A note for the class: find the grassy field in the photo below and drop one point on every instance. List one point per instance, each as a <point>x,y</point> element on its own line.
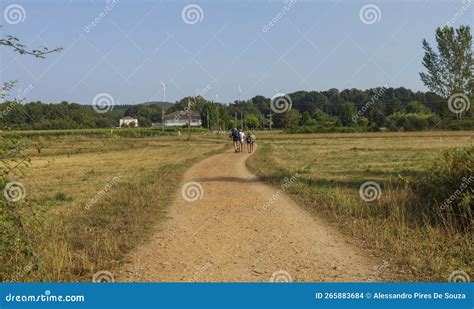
<point>332,167</point>
<point>90,200</point>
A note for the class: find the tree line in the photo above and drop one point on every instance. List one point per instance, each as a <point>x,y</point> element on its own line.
<point>383,107</point>
<point>448,75</point>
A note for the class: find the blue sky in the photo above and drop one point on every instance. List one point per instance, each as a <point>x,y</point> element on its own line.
<point>314,45</point>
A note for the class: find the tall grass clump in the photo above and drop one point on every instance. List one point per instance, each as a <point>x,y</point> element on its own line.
<point>17,258</point>
<point>444,194</point>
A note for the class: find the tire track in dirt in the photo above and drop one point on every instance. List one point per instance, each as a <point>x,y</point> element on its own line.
<point>229,235</point>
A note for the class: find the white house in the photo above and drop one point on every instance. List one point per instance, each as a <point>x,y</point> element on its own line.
<point>128,121</point>
<point>180,119</point>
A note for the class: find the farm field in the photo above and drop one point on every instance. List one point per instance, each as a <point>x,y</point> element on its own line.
<point>91,199</point>
<point>331,169</point>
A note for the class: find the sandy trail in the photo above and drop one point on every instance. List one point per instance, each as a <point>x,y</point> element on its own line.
<point>229,235</point>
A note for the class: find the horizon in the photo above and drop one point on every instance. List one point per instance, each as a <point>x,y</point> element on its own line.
<point>226,103</point>
<point>232,51</point>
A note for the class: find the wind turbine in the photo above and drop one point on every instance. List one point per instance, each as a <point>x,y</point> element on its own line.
<point>162,108</point>
<point>164,90</point>
<point>241,118</point>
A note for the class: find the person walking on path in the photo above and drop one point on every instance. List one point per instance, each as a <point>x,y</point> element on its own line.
<point>242,140</point>
<point>250,140</point>
<point>235,135</point>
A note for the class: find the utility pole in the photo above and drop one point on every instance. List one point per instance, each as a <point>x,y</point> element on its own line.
<point>162,119</point>
<point>236,122</point>
<point>189,119</point>
<point>271,119</point>
<point>241,120</point>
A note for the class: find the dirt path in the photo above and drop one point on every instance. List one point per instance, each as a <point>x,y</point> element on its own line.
<point>229,235</point>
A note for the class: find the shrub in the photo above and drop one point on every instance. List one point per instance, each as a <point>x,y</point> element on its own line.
<point>320,129</point>
<point>463,124</point>
<point>16,256</point>
<point>445,194</point>
<point>412,121</point>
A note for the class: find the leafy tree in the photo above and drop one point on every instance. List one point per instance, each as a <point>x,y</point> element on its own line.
<point>348,110</point>
<point>320,116</point>
<point>305,117</point>
<point>417,107</point>
<point>252,121</point>
<point>362,122</point>
<point>287,119</point>
<point>450,69</point>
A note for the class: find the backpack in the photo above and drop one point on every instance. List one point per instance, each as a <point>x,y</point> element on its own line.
<point>236,134</point>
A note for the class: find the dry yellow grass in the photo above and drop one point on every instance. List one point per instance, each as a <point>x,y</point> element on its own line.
<point>332,167</point>
<point>90,200</point>
<point>94,199</point>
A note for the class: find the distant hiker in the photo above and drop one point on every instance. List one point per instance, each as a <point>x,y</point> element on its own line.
<point>250,139</point>
<point>242,140</point>
<point>235,134</point>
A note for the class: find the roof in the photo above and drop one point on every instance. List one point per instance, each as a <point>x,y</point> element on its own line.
<point>129,118</point>
<point>182,114</point>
